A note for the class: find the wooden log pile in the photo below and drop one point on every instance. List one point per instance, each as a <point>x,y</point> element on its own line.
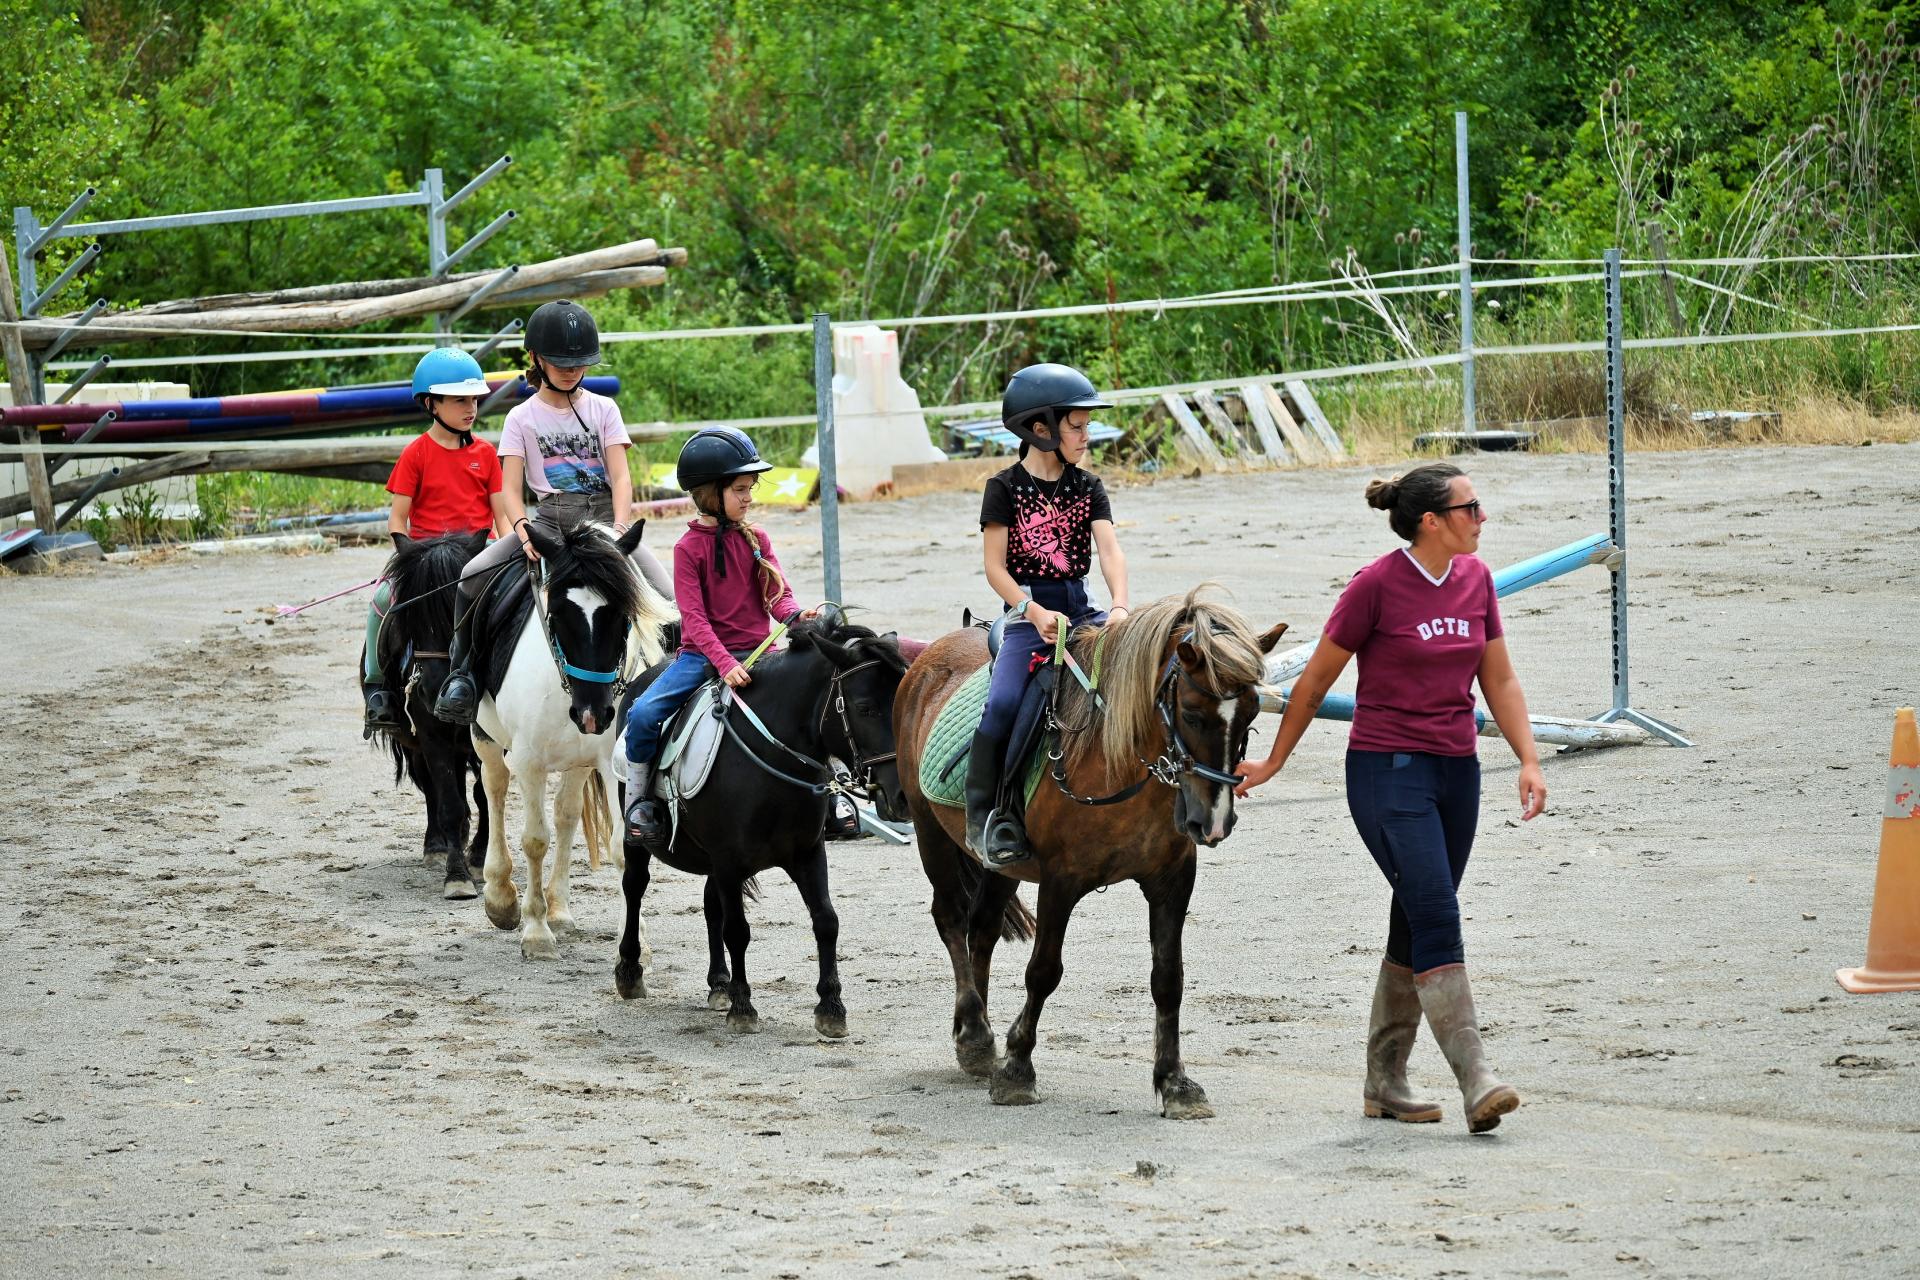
<point>637,264</point>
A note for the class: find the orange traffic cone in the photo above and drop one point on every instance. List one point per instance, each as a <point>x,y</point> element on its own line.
<point>1893,936</point>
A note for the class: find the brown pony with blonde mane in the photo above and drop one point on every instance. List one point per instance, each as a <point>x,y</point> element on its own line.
<point>1136,784</point>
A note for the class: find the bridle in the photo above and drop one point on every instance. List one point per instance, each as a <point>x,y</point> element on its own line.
<point>1174,761</point>
<point>569,672</point>
<point>859,783</point>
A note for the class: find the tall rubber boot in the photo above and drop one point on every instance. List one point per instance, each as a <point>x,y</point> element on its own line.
<point>1390,1035</point>
<point>459,700</point>
<point>983,787</point>
<point>1448,1002</point>
<point>644,826</point>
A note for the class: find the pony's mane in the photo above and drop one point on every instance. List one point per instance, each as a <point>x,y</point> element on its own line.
<point>1132,662</point>
<point>591,560</point>
<point>422,572</point>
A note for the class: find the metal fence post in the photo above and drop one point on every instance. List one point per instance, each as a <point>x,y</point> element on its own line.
<point>1622,708</point>
<point>1468,415</point>
<point>829,468</point>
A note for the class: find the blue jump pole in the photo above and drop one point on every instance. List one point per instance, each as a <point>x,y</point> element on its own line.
<point>1547,566</point>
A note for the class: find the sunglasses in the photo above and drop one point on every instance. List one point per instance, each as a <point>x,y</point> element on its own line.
<point>1473,508</point>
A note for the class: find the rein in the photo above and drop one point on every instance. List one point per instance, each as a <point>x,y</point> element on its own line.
<point>1167,768</point>
<point>861,782</point>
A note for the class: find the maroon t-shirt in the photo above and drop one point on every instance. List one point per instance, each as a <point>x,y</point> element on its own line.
<point>1419,644</point>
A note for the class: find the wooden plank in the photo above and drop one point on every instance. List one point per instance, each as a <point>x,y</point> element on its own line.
<point>20,376</point>
<point>1262,419</point>
<point>1196,437</point>
<point>911,478</point>
<point>1315,418</point>
<point>1222,425</point>
<point>1305,447</point>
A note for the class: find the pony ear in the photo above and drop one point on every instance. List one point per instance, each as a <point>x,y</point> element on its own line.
<point>631,538</point>
<point>1272,637</point>
<point>1188,655</point>
<point>545,541</point>
<point>477,541</point>
<point>839,655</point>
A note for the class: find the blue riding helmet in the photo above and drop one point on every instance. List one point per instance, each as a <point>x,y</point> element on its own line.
<point>448,371</point>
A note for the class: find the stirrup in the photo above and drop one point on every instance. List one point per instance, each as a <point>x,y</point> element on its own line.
<point>381,712</point>
<point>644,827</point>
<point>999,851</point>
<point>451,706</point>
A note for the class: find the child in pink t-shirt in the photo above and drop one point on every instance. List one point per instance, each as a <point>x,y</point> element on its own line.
<point>1424,623</point>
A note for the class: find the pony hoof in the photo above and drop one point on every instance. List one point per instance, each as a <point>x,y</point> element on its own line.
<point>1008,1092</point>
<point>718,1000</point>
<point>745,1024</point>
<point>538,949</point>
<point>977,1057</point>
<point>507,917</point>
<point>630,980</point>
<point>459,889</point>
<point>563,926</point>
<point>1187,1101</point>
<point>831,1026</point>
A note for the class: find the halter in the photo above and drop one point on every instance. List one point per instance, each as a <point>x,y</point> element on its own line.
<point>1166,768</point>
<point>569,672</point>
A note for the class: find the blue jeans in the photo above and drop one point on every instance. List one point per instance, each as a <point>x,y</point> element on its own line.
<point>1014,665</point>
<point>666,695</point>
<point>1417,813</point>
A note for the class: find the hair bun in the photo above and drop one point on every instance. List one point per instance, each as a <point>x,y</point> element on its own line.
<point>1382,494</point>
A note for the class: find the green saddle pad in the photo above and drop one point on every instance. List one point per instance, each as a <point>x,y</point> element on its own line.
<point>943,768</point>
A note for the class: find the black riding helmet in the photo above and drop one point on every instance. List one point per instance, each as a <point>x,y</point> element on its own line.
<point>718,453</point>
<point>563,334</point>
<point>1044,393</point>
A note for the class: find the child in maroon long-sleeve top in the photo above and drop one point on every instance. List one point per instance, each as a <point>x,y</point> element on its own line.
<point>729,588</point>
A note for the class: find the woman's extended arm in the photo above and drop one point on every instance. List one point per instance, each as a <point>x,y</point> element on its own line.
<point>1323,668</point>
<point>1500,685</point>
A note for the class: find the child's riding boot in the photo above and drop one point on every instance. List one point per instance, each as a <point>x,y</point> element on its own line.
<point>643,811</point>
<point>983,785</point>
<point>1448,1002</point>
<point>383,709</point>
<point>459,700</point>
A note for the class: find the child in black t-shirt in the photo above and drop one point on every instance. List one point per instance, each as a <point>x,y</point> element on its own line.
<point>1041,519</point>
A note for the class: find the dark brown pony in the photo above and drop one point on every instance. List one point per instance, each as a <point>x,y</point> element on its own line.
<point>1149,768</point>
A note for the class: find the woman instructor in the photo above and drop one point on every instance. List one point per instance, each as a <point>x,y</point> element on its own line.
<point>1425,623</point>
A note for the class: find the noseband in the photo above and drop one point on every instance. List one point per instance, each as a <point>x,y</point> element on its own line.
<point>569,672</point>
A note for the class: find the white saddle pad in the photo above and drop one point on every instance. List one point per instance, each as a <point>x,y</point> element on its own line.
<point>692,741</point>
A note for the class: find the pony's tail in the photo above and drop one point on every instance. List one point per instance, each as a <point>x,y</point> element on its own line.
<point>596,819</point>
<point>1016,922</point>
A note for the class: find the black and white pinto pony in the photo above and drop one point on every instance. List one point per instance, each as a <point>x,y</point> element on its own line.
<point>827,697</point>
<point>437,757</point>
<point>554,651</point>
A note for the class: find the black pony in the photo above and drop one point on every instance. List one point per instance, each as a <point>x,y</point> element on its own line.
<point>437,756</point>
<point>830,694</point>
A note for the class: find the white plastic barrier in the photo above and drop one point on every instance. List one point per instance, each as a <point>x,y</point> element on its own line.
<point>877,419</point>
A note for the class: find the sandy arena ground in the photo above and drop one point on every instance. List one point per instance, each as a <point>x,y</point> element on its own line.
<point>240,1033</point>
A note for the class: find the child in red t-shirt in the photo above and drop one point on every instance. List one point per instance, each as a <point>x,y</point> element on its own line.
<point>445,481</point>
<point>1425,624</point>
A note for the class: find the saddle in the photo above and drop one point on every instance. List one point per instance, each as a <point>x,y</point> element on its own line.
<point>943,766</point>
<point>689,744</point>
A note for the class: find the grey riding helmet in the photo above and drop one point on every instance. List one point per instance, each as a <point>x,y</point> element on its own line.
<point>1044,392</point>
<point>564,335</point>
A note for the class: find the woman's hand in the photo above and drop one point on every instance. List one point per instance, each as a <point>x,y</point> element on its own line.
<point>1533,792</point>
<point>738,678</point>
<point>1044,620</point>
<point>1254,772</point>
